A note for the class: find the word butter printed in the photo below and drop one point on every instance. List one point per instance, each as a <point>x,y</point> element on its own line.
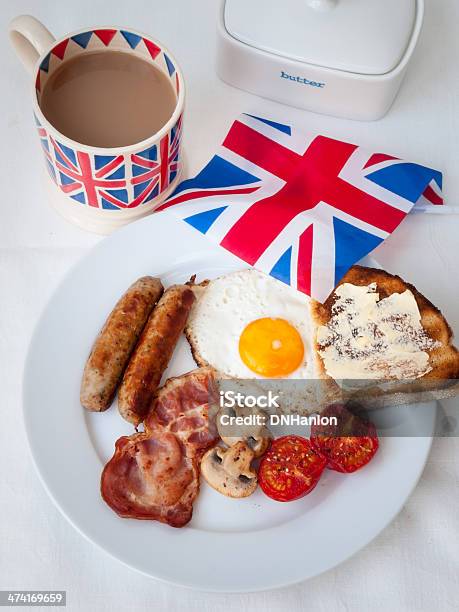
<point>304,81</point>
<point>33,598</point>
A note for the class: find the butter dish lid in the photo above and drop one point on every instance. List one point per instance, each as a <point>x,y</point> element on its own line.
<point>360,36</point>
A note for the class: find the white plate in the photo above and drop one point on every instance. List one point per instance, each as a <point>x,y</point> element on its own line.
<point>230,545</point>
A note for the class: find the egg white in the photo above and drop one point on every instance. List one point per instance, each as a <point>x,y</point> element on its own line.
<point>229,303</point>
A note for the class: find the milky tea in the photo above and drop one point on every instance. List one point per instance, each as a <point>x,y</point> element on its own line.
<point>108,99</point>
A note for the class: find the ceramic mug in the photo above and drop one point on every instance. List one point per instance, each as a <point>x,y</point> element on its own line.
<point>100,189</point>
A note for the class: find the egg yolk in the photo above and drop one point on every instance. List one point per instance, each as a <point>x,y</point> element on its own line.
<point>271,347</point>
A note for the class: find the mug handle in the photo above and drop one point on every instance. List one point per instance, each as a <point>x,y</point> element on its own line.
<point>30,39</point>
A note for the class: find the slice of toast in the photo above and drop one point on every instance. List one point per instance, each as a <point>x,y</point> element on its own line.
<point>443,357</point>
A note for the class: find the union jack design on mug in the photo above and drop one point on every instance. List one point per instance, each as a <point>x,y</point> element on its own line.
<point>123,180</point>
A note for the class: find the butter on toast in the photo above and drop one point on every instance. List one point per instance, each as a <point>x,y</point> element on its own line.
<point>443,357</point>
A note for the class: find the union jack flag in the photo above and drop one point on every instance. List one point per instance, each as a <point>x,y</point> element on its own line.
<point>301,208</point>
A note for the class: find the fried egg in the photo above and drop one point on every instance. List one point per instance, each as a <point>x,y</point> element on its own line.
<point>249,325</point>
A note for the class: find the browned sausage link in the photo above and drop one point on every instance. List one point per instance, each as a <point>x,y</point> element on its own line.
<point>115,343</point>
<point>153,353</point>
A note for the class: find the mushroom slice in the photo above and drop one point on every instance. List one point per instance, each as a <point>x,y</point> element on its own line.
<point>257,437</point>
<point>228,470</point>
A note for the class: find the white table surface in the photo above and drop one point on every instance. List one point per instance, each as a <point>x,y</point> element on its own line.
<point>413,564</point>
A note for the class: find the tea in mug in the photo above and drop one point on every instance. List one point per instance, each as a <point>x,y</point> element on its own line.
<point>108,99</point>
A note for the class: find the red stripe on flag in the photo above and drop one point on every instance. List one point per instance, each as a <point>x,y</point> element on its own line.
<point>260,150</point>
<point>377,158</point>
<point>304,269</point>
<point>143,195</point>
<point>141,178</point>
<point>164,156</point>
<point>194,195</point>
<point>111,166</point>
<point>432,196</point>
<point>360,205</point>
<point>138,200</point>
<point>145,163</point>
<point>112,200</point>
<point>70,187</point>
<point>62,155</point>
<point>86,178</point>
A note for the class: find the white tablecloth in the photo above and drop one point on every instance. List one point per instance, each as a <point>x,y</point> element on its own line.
<point>413,564</point>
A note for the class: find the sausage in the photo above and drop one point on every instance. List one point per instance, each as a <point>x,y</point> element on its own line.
<point>115,343</point>
<point>153,352</point>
